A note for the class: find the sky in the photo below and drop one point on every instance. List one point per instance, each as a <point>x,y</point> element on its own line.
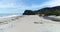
<point>19,6</point>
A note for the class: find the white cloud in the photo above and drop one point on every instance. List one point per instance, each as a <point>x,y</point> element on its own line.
<point>7,4</point>
<point>22,6</point>
<point>50,3</point>
<point>53,3</point>
<point>18,4</point>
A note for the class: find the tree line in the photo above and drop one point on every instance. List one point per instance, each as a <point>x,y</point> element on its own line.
<point>46,11</point>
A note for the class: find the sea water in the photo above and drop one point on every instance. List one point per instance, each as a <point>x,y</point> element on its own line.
<point>1,15</point>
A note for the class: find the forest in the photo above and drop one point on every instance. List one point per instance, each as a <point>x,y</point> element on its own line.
<point>45,11</point>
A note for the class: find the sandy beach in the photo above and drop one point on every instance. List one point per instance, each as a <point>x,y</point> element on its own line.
<point>28,23</point>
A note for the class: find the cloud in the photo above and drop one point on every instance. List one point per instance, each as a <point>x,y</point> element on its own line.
<point>17,4</point>
<point>53,3</point>
<point>50,3</point>
<point>7,4</point>
<point>21,5</point>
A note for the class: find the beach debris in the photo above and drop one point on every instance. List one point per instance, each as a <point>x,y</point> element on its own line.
<point>38,22</point>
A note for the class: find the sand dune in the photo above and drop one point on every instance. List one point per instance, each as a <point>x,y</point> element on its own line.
<point>29,23</point>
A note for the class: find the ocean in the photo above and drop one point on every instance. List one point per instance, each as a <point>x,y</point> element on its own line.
<point>9,14</point>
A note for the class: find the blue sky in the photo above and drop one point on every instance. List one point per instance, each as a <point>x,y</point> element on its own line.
<point>19,6</point>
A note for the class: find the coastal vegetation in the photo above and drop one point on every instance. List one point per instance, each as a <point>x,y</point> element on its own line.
<point>45,11</point>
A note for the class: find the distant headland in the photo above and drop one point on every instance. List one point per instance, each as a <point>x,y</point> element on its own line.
<point>46,11</point>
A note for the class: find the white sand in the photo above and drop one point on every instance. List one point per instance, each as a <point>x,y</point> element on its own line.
<point>29,23</point>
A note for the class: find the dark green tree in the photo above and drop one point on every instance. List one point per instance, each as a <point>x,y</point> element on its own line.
<point>28,12</point>
<point>46,11</point>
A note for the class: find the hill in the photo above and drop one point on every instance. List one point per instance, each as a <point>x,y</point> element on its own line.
<point>46,11</point>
